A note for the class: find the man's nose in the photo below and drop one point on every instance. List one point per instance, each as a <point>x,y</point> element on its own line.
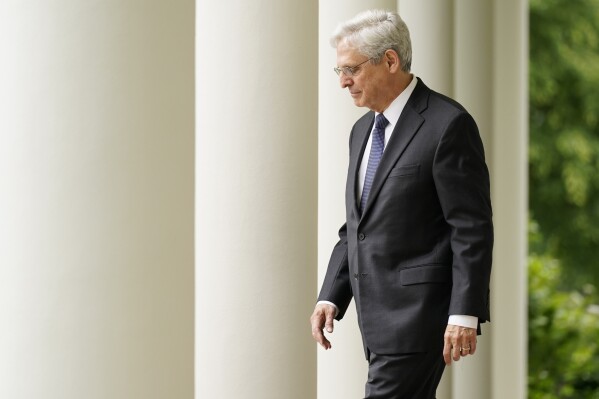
<point>345,80</point>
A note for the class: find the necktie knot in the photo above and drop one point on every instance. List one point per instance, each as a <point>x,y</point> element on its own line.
<point>380,122</point>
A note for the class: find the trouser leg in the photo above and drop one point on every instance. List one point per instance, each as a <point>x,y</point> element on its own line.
<point>404,376</point>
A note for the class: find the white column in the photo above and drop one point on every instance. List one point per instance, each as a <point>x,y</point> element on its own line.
<point>473,89</point>
<point>431,25</point>
<point>510,188</point>
<point>342,371</point>
<point>96,203</point>
<point>256,198</point>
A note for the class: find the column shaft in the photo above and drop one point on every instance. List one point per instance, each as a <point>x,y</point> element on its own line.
<point>431,24</point>
<point>96,176</point>
<point>510,193</point>
<point>256,198</point>
<point>473,89</point>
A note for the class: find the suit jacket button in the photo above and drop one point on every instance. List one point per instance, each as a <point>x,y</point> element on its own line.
<point>361,236</point>
<point>356,276</point>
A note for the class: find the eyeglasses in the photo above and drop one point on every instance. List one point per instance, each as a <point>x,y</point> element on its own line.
<point>349,70</point>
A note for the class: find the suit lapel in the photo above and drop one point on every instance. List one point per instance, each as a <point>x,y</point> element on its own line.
<point>406,128</point>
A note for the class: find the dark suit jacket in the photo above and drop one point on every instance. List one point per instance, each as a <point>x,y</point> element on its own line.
<point>422,247</point>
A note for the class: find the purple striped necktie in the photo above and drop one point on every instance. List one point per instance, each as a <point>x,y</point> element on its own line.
<point>376,153</point>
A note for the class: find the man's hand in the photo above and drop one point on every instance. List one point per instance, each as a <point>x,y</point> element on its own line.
<point>323,316</point>
<point>459,342</point>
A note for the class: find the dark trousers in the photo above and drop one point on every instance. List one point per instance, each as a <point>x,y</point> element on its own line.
<point>405,376</point>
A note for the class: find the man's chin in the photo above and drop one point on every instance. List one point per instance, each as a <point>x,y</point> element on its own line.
<point>358,103</point>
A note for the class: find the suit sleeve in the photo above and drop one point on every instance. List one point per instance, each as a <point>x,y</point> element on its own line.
<point>336,287</point>
<point>462,182</point>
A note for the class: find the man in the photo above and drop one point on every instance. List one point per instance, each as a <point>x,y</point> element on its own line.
<point>415,251</point>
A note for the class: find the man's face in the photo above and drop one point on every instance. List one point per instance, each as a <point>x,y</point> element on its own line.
<point>368,84</point>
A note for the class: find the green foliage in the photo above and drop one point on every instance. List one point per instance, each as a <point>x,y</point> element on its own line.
<point>564,133</point>
<point>564,200</point>
<point>563,334</point>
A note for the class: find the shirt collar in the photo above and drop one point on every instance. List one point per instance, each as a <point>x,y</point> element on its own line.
<point>393,111</point>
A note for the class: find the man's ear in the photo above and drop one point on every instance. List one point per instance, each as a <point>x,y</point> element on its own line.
<point>392,61</point>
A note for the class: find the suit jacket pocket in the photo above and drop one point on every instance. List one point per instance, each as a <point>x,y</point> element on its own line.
<point>405,170</point>
<point>425,274</point>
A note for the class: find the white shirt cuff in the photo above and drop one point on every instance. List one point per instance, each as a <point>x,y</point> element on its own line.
<point>329,303</point>
<point>463,320</point>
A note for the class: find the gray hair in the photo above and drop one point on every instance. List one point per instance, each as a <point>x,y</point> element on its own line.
<point>373,32</point>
